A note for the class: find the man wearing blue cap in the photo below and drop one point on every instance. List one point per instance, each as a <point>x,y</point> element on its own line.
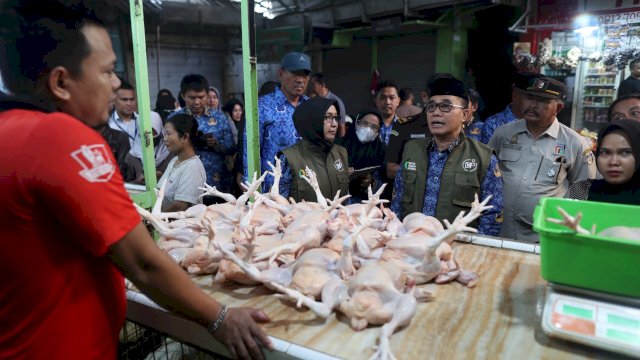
<point>275,110</point>
<point>539,157</point>
<point>440,175</point>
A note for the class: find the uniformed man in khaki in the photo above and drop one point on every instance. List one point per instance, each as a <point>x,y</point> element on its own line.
<point>539,157</point>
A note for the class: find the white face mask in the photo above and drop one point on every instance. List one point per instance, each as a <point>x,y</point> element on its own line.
<point>365,134</point>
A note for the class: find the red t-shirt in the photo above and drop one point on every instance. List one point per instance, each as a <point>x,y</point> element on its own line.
<point>63,204</point>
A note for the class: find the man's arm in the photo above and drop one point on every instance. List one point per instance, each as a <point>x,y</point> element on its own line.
<point>491,220</point>
<point>285,179</point>
<point>153,272</point>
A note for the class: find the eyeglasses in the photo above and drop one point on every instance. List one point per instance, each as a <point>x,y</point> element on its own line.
<point>373,127</point>
<point>331,118</point>
<point>444,107</point>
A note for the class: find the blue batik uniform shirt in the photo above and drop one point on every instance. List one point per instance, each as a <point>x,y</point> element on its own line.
<point>385,131</point>
<point>214,122</point>
<point>494,121</point>
<point>474,130</point>
<point>276,130</point>
<point>491,220</point>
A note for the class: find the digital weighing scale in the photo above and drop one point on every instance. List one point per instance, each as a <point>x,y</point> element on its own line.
<point>592,318</point>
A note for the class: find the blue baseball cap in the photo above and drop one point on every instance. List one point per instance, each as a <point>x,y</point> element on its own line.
<point>296,61</point>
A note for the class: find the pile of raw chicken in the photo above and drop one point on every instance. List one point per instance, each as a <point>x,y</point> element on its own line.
<point>358,259</point>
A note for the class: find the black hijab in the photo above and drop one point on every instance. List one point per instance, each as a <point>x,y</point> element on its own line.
<point>308,118</point>
<point>629,192</point>
<point>362,155</point>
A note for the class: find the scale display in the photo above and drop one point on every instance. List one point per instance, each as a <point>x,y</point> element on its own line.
<point>591,322</point>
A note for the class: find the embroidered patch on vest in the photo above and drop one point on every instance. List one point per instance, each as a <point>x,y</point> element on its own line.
<point>338,165</point>
<point>302,173</point>
<point>95,161</point>
<point>410,165</point>
<point>470,165</point>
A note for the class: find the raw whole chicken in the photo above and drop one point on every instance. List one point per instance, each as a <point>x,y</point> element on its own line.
<point>358,259</point>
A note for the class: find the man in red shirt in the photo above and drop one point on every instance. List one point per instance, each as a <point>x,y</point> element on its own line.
<point>68,228</point>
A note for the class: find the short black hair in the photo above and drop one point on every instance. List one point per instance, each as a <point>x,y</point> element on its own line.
<point>164,91</point>
<point>620,99</point>
<point>126,86</point>
<point>37,36</point>
<point>195,82</point>
<point>186,124</point>
<point>319,78</point>
<point>268,87</point>
<point>405,93</point>
<point>385,84</point>
<point>474,95</point>
<point>633,62</point>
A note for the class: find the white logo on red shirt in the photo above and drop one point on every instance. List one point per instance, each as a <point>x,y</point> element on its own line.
<point>95,161</point>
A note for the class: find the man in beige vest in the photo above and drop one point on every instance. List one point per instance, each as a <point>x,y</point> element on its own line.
<point>440,176</point>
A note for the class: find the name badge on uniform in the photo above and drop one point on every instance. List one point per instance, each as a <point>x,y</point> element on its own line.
<point>418,136</point>
<point>410,165</point>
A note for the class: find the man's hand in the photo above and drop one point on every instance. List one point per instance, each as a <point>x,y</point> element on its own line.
<point>366,180</point>
<point>160,278</point>
<point>211,141</point>
<point>242,336</point>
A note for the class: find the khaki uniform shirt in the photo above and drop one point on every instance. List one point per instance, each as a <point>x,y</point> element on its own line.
<point>534,168</point>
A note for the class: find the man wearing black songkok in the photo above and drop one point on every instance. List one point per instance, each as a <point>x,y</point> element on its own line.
<point>439,176</point>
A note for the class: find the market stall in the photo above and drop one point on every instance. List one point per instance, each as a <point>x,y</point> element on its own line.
<point>500,317</point>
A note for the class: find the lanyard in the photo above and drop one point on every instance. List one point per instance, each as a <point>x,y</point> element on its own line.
<point>115,121</point>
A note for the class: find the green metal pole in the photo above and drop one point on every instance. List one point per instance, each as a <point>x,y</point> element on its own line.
<point>249,63</point>
<point>144,106</point>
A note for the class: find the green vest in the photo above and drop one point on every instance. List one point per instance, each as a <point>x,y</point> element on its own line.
<point>463,174</point>
<point>331,170</point>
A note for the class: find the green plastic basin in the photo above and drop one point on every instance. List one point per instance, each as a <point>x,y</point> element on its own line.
<point>604,264</point>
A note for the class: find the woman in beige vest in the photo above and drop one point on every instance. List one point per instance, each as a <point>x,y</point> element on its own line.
<point>316,121</point>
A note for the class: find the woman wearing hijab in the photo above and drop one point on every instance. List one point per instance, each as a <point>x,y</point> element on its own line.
<point>316,120</point>
<point>618,160</point>
<point>214,103</point>
<point>366,153</point>
<point>161,154</point>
